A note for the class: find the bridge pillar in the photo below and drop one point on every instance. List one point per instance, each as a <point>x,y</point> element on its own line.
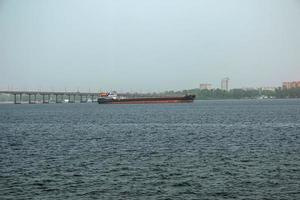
<point>20,98</point>
<point>15,98</point>
<point>69,96</point>
<point>49,98</point>
<point>29,98</point>
<point>80,98</point>
<point>35,98</point>
<point>74,98</point>
<point>92,98</point>
<point>43,98</point>
<point>56,99</point>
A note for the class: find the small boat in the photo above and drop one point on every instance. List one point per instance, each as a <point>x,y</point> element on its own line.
<point>108,98</point>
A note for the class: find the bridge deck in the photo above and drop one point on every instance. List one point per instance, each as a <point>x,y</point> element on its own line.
<point>48,93</point>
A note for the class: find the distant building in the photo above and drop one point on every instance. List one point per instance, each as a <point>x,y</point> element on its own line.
<point>248,88</point>
<point>205,86</point>
<point>225,84</point>
<point>267,89</point>
<point>289,85</point>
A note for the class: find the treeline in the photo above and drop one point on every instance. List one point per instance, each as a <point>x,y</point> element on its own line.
<point>6,97</point>
<point>239,93</point>
<point>290,93</point>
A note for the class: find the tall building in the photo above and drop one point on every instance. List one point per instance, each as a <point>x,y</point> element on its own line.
<point>205,86</point>
<point>225,84</point>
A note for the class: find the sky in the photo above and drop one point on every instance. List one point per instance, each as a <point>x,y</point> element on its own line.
<point>147,46</point>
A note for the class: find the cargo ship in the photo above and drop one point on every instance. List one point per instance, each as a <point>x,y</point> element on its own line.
<point>108,98</point>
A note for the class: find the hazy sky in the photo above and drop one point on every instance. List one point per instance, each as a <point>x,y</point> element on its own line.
<point>139,45</point>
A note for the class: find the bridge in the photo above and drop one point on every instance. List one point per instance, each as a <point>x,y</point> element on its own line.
<point>46,96</point>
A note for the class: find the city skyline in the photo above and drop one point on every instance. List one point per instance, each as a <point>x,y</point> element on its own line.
<point>201,86</point>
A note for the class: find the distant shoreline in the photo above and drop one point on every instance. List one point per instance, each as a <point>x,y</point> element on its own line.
<point>249,99</point>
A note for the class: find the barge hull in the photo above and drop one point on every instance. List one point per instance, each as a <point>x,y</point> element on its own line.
<point>152,102</point>
<point>157,100</point>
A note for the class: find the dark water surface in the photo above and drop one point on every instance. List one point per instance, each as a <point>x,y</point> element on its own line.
<point>205,150</point>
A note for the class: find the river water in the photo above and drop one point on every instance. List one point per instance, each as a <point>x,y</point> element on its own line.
<point>241,149</point>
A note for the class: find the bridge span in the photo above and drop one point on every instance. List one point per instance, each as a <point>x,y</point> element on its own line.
<point>59,97</point>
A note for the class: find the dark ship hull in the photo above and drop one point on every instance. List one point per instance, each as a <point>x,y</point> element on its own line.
<point>149,100</point>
